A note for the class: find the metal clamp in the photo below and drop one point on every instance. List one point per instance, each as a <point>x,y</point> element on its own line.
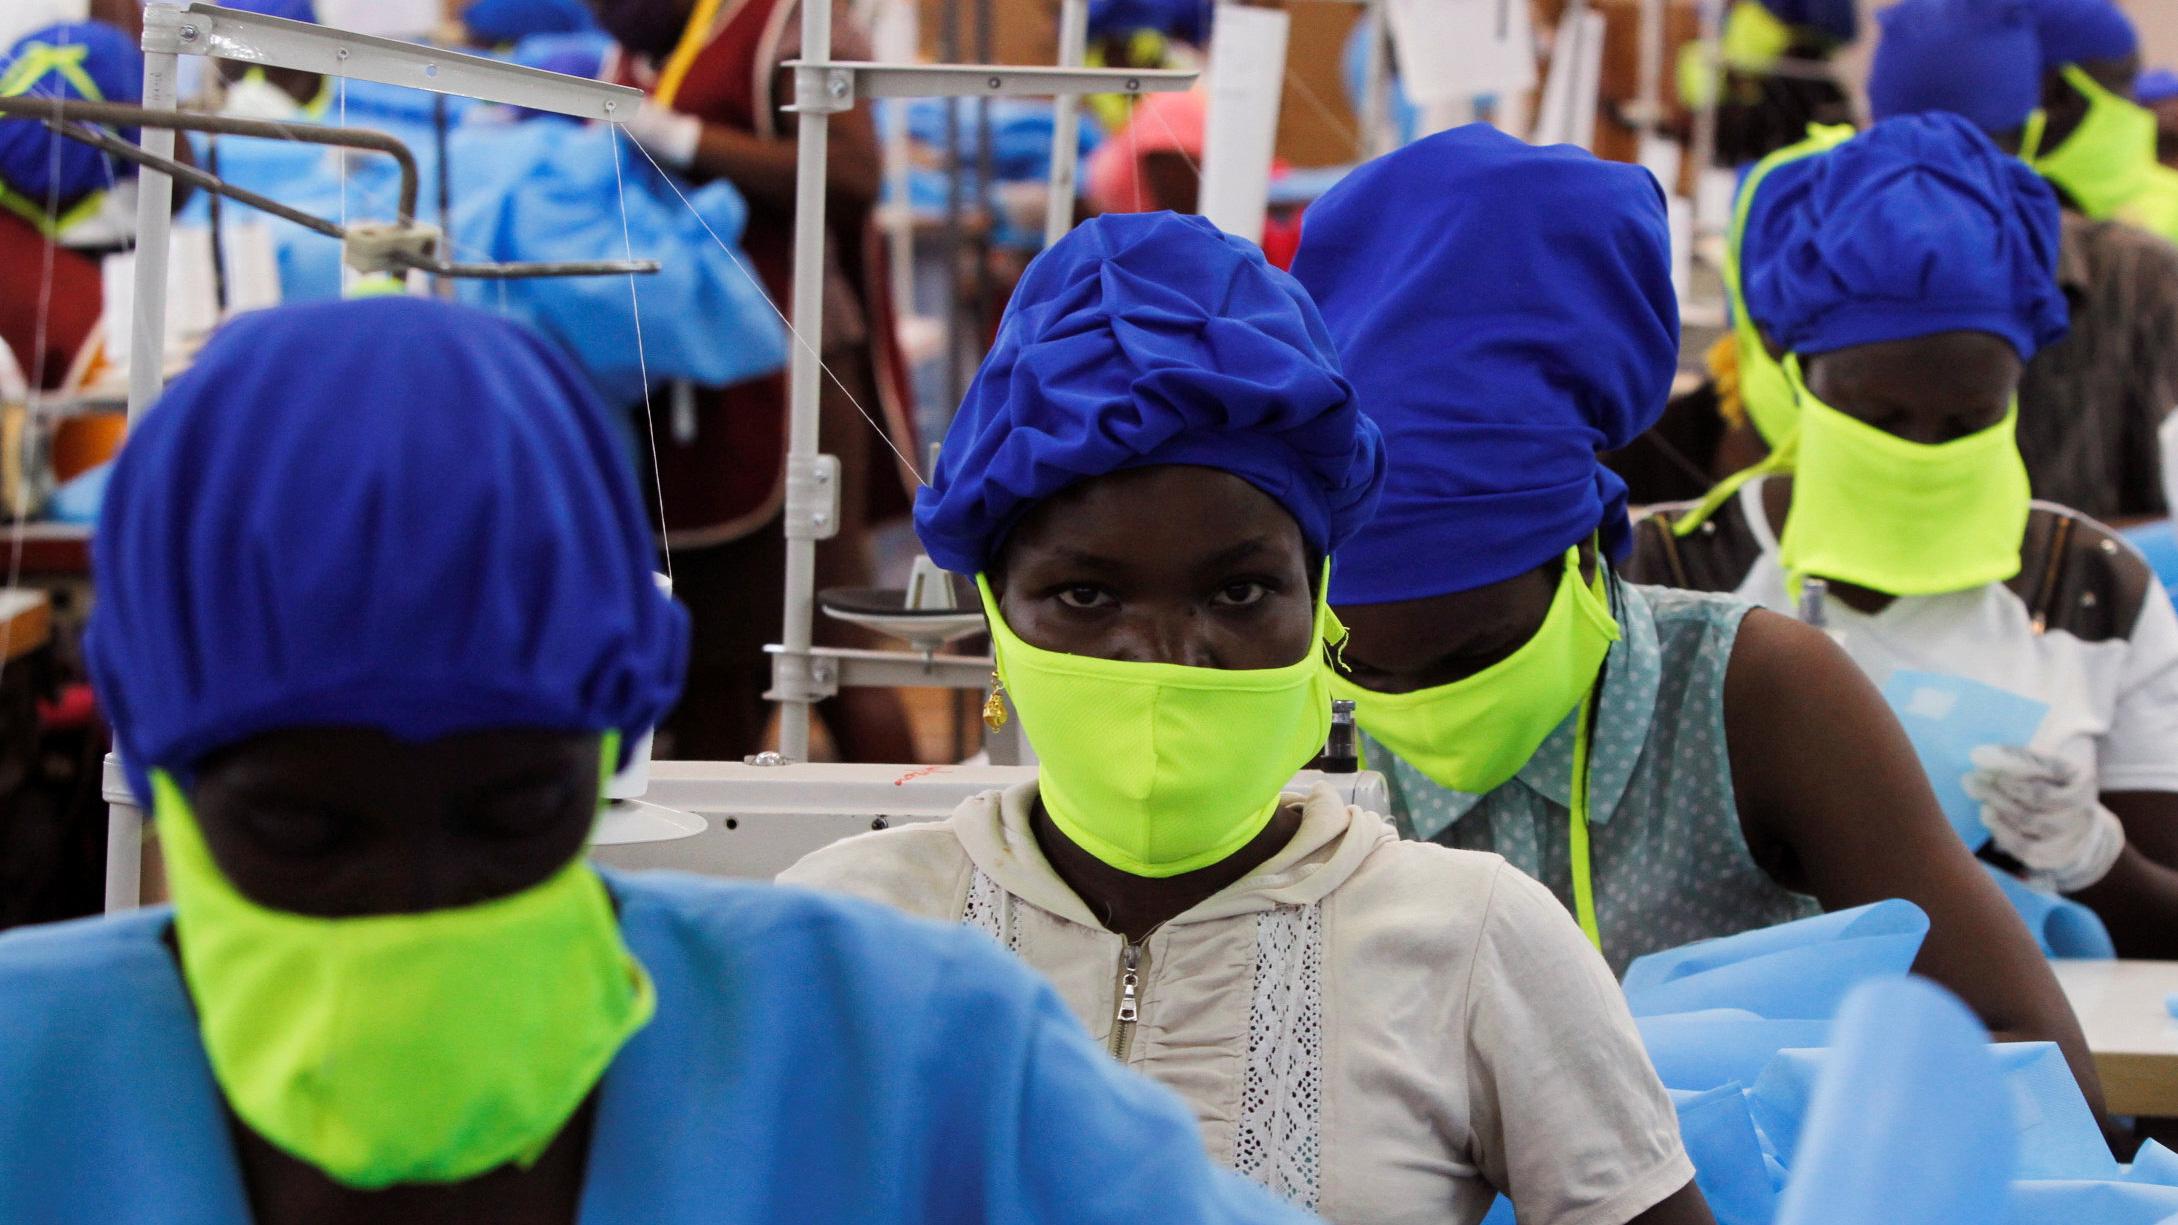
<point>821,89</point>
<point>812,498</point>
<point>375,247</point>
<point>801,677</point>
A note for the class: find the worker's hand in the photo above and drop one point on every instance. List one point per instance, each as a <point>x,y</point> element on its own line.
<point>669,135</point>
<point>2044,812</point>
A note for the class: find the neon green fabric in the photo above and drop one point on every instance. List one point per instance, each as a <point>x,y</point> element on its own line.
<point>1159,769</point>
<point>1583,870</point>
<point>1475,733</point>
<point>1754,38</point>
<point>32,66</point>
<point>2107,160</point>
<point>1763,389</point>
<point>407,1048</point>
<point>1904,518</point>
<point>2155,208</point>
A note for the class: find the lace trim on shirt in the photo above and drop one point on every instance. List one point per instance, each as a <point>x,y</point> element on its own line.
<point>992,911</point>
<point>1279,1141</point>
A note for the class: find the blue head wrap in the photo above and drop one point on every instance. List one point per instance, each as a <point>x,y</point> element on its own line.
<point>29,167</point>
<point>1186,21</point>
<point>1977,58</point>
<point>1917,226</point>
<point>1143,339</point>
<point>1505,313</point>
<point>2077,31</point>
<point>1839,19</point>
<point>511,21</point>
<point>2155,85</point>
<point>392,513</point>
<point>293,10</point>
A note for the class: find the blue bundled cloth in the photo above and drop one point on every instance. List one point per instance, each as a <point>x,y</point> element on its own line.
<point>1794,971</point>
<point>1918,225</point>
<point>394,513</point>
<point>543,192</point>
<point>1907,1123</point>
<point>1979,59</point>
<point>2077,31</point>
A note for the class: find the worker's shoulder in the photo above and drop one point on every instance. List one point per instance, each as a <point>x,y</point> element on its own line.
<point>1716,555</point>
<point>2123,259</point>
<point>918,867</point>
<point>2079,576</point>
<point>1431,893</point>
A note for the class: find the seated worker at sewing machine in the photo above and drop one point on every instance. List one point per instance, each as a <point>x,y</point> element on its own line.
<point>1667,763</point>
<point>1910,274</point>
<point>1151,476</point>
<point>375,615</point>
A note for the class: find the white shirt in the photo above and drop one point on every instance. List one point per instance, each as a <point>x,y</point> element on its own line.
<point>2113,703</point>
<point>1385,1032</point>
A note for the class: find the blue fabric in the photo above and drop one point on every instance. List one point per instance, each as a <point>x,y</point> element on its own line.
<point>2155,85</point>
<point>1947,717</point>
<point>2061,926</point>
<point>1708,1049</point>
<point>43,168</point>
<point>812,1061</point>
<point>1186,21</point>
<point>1144,339</point>
<point>1916,226</point>
<point>1730,1165</point>
<point>2087,1202</point>
<point>1836,19</point>
<point>293,10</point>
<point>2077,31</point>
<point>543,192</point>
<point>78,499</point>
<point>1910,1073</point>
<point>511,21</point>
<point>394,513</point>
<point>2155,1165</point>
<point>1505,312</point>
<point>1795,971</point>
<point>1976,58</point>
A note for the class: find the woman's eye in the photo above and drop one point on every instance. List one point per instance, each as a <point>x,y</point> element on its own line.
<point>1084,597</point>
<point>1242,594</point>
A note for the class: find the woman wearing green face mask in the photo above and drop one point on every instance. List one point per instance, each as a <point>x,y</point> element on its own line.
<point>1910,272</point>
<point>375,605</point>
<point>1148,475</point>
<point>1667,763</point>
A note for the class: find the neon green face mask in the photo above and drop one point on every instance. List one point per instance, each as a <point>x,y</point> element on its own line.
<point>1475,733</point>
<point>409,1048</point>
<point>1903,518</point>
<point>2110,157</point>
<point>1159,769</point>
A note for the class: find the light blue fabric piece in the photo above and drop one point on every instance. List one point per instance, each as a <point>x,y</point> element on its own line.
<point>2090,1203</point>
<point>78,500</point>
<point>1795,971</point>
<point>812,1061</point>
<point>2153,1164</point>
<point>1501,1213</point>
<point>546,192</point>
<point>2063,927</point>
<point>1947,718</point>
<point>1670,861</point>
<point>1907,1122</point>
<point>1730,1165</point>
<point>2056,1132</point>
<point>1406,118</point>
<point>2158,543</point>
<point>1700,1051</point>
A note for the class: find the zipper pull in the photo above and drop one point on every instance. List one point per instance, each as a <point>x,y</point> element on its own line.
<point>1130,982</point>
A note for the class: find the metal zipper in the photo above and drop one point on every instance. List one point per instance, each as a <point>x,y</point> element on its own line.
<point>1130,999</point>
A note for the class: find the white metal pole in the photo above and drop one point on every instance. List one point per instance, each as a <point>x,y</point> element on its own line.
<point>147,362</point>
<point>813,124</point>
<point>1066,123</point>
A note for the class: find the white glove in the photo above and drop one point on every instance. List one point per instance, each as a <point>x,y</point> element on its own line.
<point>670,136</point>
<point>2044,812</point>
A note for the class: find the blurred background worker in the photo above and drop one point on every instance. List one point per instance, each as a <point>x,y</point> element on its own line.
<point>715,110</point>
<point>370,687</point>
<point>1777,75</point>
<point>1909,274</point>
<point>2090,404</point>
<point>253,91</point>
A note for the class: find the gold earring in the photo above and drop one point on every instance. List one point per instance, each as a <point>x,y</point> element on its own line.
<point>994,707</point>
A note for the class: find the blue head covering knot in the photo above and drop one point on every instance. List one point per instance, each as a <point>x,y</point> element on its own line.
<point>2077,31</point>
<point>1917,226</point>
<point>1977,58</point>
<point>1145,339</point>
<point>41,169</point>
<point>393,513</point>
<point>1505,313</point>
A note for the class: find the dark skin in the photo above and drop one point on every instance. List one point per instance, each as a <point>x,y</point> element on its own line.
<point>1937,389</point>
<point>1795,706</point>
<point>303,87</point>
<point>341,822</point>
<point>1120,567</point>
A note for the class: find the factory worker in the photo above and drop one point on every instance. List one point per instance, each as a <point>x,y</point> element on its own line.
<point>1152,473</point>
<point>375,615</point>
<point>1667,763</point>
<point>1909,274</point>
<point>1775,72</point>
<point>253,91</point>
<point>61,201</point>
